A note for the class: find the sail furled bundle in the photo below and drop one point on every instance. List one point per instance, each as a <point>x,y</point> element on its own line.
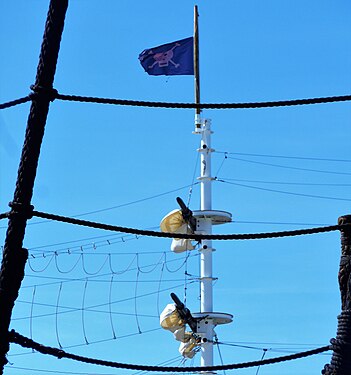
<point>171,320</point>
<point>174,222</point>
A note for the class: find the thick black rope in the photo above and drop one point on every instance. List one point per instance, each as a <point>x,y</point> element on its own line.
<point>59,353</point>
<point>139,103</point>
<point>14,256</point>
<point>12,103</point>
<point>196,237</point>
<point>4,215</point>
<point>340,363</point>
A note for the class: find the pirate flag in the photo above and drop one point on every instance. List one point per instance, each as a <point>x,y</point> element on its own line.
<point>169,59</point>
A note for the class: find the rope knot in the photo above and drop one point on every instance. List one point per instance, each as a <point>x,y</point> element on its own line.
<point>60,354</point>
<point>18,208</point>
<point>43,92</point>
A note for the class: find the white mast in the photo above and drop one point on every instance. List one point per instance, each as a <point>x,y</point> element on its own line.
<point>205,218</point>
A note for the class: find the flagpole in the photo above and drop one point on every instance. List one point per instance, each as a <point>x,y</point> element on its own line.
<point>206,217</point>
<point>204,224</point>
<point>196,67</point>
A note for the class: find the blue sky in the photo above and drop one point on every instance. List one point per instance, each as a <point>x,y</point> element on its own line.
<point>287,168</point>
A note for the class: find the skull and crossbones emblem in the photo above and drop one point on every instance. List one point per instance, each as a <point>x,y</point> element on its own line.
<point>163,59</point>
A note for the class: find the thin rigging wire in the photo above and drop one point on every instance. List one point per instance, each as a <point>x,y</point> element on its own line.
<point>43,269</point>
<point>94,276</point>
<point>83,309</point>
<point>263,355</point>
<point>221,165</point>
<point>66,280</point>
<point>288,167</point>
<point>274,223</point>
<point>298,347</point>
<point>193,183</point>
<point>154,266</point>
<point>136,201</point>
<point>71,269</point>
<point>110,307</point>
<point>31,314</point>
<point>92,307</point>
<point>219,352</point>
<point>284,182</point>
<point>135,301</point>
<point>56,315</point>
<point>167,362</point>
<point>96,272</point>
<point>80,240</point>
<point>118,338</point>
<point>159,288</point>
<point>185,279</point>
<point>118,206</point>
<point>89,245</point>
<point>285,192</point>
<point>91,310</point>
<point>285,156</point>
<point>107,260</point>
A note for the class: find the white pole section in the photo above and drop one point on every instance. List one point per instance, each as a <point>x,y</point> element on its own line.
<point>205,227</point>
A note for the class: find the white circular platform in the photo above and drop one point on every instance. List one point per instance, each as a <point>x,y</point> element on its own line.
<point>217,217</point>
<point>216,317</point>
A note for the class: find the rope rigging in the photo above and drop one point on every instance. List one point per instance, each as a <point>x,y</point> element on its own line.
<point>53,94</point>
<point>59,353</point>
<point>195,237</point>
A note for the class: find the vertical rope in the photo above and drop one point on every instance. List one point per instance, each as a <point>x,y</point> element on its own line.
<point>31,313</point>
<point>341,360</point>
<point>14,257</point>
<point>159,285</point>
<point>110,306</point>
<point>186,276</point>
<point>56,315</point>
<point>135,300</point>
<point>83,309</point>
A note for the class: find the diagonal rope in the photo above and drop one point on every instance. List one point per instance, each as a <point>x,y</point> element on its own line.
<point>12,103</point>
<point>221,165</point>
<point>220,353</point>
<point>263,355</point>
<point>193,183</point>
